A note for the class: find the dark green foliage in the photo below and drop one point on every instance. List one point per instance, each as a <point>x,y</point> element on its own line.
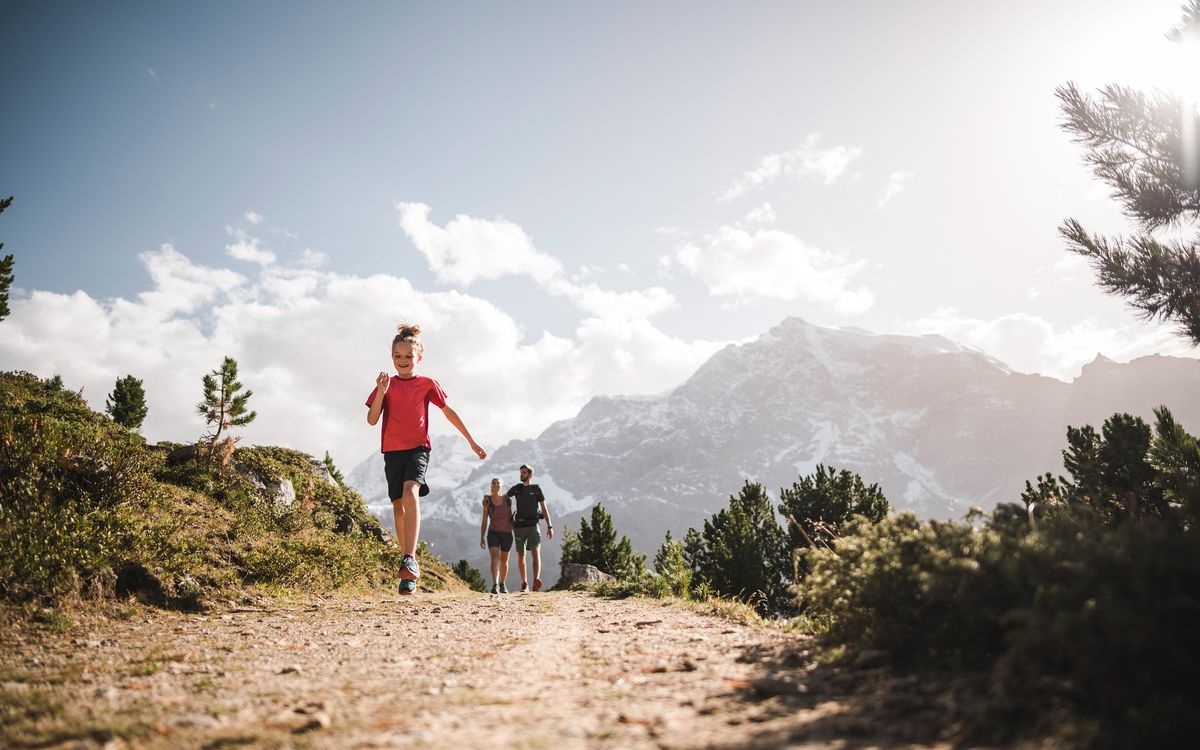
<point>469,575</point>
<point>1095,601</point>
<point>6,280</point>
<point>1144,147</point>
<point>1108,612</point>
<point>6,268</point>
<point>818,506</point>
<point>1125,472</point>
<point>596,544</point>
<point>127,403</point>
<point>742,552</point>
<point>671,565</point>
<point>333,470</point>
<point>1117,472</point>
<point>223,406</point>
<point>1176,457</point>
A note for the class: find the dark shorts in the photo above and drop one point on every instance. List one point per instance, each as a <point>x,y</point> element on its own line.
<point>501,539</point>
<point>405,466</point>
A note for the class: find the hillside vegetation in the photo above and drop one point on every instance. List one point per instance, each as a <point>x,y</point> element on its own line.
<point>89,510</point>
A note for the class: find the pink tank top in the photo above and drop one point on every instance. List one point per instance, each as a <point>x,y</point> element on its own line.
<point>499,516</point>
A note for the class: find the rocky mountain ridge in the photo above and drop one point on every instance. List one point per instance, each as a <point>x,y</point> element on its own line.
<point>938,426</point>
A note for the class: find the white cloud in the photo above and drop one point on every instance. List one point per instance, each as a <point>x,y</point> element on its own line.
<point>181,286</point>
<point>1028,343</point>
<point>763,214</point>
<point>810,159</point>
<point>774,265</point>
<point>309,343</point>
<point>896,185</point>
<point>467,250</point>
<point>313,259</point>
<point>253,217</point>
<point>247,249</point>
<point>604,303</point>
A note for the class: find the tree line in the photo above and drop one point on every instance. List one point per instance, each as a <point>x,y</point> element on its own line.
<point>744,551</point>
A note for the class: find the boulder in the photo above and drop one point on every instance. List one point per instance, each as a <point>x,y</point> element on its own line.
<point>573,573</point>
<point>281,492</point>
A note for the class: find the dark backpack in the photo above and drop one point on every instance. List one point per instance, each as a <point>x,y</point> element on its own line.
<point>528,511</point>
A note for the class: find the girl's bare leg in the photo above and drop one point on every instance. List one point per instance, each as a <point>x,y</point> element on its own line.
<point>410,514</point>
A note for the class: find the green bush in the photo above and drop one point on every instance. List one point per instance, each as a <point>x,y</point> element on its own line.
<point>470,575</point>
<point>1107,613</point>
<point>70,480</point>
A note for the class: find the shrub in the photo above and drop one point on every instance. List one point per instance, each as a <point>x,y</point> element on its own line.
<point>1107,612</point>
<point>470,575</point>
<point>70,478</point>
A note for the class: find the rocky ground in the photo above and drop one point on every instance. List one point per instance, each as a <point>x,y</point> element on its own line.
<point>548,670</point>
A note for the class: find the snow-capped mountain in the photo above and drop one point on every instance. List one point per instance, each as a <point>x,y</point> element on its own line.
<point>938,426</point>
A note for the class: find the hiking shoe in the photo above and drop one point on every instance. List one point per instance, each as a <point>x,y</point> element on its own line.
<point>537,584</point>
<point>408,587</point>
<point>524,587</point>
<point>495,589</point>
<point>409,570</point>
<point>503,589</point>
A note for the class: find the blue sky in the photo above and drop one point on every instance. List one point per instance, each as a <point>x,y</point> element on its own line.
<point>577,198</point>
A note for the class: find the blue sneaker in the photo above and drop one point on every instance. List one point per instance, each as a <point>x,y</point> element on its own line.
<point>408,587</point>
<point>409,570</point>
<point>503,589</point>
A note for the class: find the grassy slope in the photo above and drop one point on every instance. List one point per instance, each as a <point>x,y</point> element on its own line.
<point>88,510</point>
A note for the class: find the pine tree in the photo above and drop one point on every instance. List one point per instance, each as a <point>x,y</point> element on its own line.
<point>470,575</point>
<point>671,565</point>
<point>6,269</point>
<point>1175,456</point>
<point>1110,472</point>
<point>127,403</point>
<point>743,551</point>
<point>1125,468</point>
<point>1147,149</point>
<point>223,406</point>
<point>334,473</point>
<point>819,505</point>
<point>1081,459</point>
<point>596,544</point>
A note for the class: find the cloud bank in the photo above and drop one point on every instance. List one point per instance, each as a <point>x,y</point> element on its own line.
<point>309,342</point>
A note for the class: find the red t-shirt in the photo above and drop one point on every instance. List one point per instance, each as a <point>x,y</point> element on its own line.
<point>406,412</point>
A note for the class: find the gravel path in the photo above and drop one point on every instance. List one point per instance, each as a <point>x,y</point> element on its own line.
<point>550,670</point>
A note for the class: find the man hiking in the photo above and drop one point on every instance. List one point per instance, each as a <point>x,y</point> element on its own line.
<point>530,508</point>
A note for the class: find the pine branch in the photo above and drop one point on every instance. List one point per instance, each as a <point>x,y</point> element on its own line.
<point>1161,280</point>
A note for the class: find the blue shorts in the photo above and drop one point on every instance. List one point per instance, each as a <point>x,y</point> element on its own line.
<point>405,466</point>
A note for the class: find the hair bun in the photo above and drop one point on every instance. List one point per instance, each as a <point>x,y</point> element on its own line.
<point>408,329</point>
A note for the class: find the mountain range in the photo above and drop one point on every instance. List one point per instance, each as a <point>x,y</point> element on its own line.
<point>940,427</point>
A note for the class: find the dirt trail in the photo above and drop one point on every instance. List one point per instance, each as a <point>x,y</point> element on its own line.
<point>466,670</point>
